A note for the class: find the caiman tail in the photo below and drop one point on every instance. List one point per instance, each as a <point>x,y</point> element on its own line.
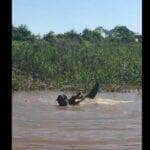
<point>92,92</point>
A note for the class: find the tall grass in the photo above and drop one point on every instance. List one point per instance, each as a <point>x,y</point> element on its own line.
<point>40,65</point>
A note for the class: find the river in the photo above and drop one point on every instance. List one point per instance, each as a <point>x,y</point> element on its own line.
<point>111,121</point>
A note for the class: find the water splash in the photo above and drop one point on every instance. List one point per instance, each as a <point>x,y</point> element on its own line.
<point>104,101</point>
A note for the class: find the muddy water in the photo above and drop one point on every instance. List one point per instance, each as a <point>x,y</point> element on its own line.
<point>112,121</point>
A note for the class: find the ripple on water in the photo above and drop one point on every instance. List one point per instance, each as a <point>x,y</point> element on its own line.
<point>110,121</point>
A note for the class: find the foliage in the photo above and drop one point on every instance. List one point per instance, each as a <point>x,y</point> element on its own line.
<point>122,33</point>
<point>21,33</point>
<point>74,61</point>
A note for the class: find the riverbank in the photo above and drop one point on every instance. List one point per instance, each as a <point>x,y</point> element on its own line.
<point>76,89</point>
<point>20,83</point>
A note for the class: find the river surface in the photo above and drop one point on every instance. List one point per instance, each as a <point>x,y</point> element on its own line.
<point>111,121</point>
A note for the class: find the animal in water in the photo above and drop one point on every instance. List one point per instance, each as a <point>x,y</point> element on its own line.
<point>73,100</point>
<point>93,91</point>
<point>63,100</point>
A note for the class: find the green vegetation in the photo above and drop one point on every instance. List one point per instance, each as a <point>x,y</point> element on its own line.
<point>73,60</point>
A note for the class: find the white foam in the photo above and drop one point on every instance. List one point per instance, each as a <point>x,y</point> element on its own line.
<point>104,101</point>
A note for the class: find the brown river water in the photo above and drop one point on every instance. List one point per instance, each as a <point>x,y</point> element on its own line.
<point>111,121</point>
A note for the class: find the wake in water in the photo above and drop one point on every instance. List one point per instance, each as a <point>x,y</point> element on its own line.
<point>103,101</point>
<point>87,101</point>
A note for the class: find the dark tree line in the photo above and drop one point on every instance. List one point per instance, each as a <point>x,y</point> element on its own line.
<point>118,34</point>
